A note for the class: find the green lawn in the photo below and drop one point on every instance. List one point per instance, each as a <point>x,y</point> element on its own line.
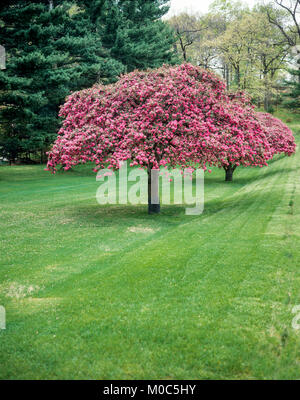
<point>108,292</point>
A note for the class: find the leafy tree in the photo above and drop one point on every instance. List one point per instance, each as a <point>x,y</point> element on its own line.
<point>233,44</point>
<point>256,52</point>
<point>52,50</point>
<point>284,15</point>
<point>188,30</point>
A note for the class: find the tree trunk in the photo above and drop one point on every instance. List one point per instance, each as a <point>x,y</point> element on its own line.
<point>229,170</point>
<point>266,91</point>
<point>266,102</point>
<point>183,47</point>
<point>153,191</point>
<point>238,76</point>
<point>227,77</point>
<point>298,61</point>
<point>266,95</point>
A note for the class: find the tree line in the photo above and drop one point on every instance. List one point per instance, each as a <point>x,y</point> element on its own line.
<point>253,49</point>
<point>56,47</point>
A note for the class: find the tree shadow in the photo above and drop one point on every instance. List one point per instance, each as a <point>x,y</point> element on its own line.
<point>242,202</point>
<point>244,180</point>
<point>172,215</point>
<point>118,215</point>
<point>276,158</point>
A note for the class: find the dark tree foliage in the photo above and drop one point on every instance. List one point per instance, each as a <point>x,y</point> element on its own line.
<point>52,49</point>
<point>132,29</point>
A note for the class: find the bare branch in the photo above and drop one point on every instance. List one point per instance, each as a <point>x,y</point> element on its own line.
<point>275,22</point>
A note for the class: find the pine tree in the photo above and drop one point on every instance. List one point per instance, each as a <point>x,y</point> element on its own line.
<point>136,35</point>
<point>53,48</point>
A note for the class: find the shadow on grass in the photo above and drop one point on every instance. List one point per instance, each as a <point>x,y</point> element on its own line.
<point>245,199</point>
<point>79,170</point>
<point>124,215</point>
<point>171,215</point>
<point>239,180</point>
<point>276,158</point>
<point>267,174</point>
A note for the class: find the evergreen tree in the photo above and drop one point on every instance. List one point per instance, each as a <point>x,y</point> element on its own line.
<point>136,35</point>
<point>53,48</point>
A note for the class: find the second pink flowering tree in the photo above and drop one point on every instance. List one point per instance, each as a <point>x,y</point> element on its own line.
<point>280,137</point>
<point>237,137</point>
<point>244,137</point>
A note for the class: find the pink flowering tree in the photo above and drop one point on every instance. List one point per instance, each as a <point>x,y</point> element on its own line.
<point>237,136</point>
<point>244,137</point>
<point>153,118</point>
<point>279,136</point>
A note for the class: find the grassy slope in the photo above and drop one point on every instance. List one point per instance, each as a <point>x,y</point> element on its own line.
<point>110,292</point>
